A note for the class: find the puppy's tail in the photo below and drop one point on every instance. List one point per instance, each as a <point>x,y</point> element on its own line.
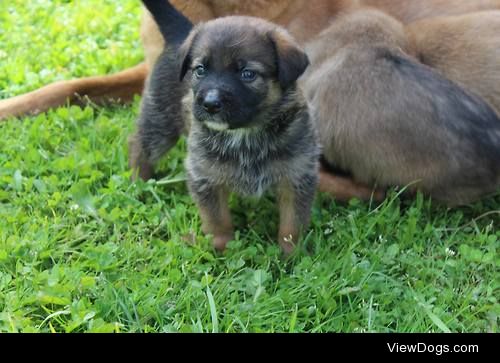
<point>174,26</point>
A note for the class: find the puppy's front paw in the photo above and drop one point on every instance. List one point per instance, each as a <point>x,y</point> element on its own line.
<point>287,244</point>
<point>220,241</point>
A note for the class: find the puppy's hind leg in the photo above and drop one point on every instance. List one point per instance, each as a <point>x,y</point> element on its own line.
<point>146,147</point>
<point>162,118</point>
<point>159,127</point>
<point>155,136</point>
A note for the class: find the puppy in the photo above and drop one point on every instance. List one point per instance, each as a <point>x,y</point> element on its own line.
<point>249,128</point>
<point>389,120</point>
<point>465,49</point>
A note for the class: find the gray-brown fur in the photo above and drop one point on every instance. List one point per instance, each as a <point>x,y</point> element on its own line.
<point>263,137</point>
<point>161,121</point>
<point>389,120</point>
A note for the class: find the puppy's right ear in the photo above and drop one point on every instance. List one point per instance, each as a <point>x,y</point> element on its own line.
<point>185,52</point>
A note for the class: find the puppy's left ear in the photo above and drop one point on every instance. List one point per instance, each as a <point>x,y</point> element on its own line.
<point>292,61</point>
<point>185,52</point>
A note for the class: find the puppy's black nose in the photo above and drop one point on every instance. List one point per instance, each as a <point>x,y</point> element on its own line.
<point>212,102</point>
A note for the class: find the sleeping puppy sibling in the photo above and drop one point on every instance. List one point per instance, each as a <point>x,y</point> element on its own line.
<point>389,120</point>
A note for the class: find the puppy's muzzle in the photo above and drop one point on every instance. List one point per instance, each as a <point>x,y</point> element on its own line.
<point>212,102</point>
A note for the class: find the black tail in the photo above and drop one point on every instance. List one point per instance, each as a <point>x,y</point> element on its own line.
<point>174,26</point>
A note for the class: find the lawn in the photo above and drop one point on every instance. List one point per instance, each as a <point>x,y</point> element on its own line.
<point>82,249</point>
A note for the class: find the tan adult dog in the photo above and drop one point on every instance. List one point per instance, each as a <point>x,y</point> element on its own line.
<point>303,18</point>
<point>464,48</point>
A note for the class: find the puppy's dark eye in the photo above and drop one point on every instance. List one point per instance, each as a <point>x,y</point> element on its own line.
<point>248,76</point>
<point>200,71</point>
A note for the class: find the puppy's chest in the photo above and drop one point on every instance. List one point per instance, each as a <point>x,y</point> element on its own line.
<point>246,179</point>
<point>246,165</point>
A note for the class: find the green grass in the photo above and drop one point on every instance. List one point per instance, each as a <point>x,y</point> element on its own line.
<point>83,249</point>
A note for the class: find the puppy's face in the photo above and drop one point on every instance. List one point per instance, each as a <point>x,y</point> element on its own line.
<point>239,68</point>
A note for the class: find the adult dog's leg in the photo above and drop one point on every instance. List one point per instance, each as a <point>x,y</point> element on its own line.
<point>118,87</point>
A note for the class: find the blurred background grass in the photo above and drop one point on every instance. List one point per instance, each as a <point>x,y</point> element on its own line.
<point>42,41</point>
